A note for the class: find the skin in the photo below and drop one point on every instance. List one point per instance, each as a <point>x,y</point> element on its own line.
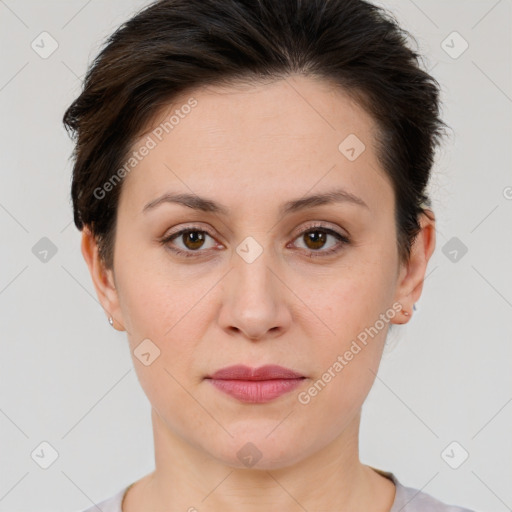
<point>214,309</point>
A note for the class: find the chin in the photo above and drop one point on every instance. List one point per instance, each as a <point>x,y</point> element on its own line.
<point>256,451</point>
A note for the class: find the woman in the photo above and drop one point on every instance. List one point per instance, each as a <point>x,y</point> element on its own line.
<point>250,179</point>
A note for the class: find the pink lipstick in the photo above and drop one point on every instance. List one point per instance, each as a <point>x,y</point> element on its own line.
<point>255,385</point>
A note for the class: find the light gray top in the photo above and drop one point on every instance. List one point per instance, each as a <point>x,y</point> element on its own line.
<point>407,499</point>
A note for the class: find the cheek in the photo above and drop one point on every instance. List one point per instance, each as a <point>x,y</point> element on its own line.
<point>163,308</point>
<point>354,300</point>
<point>357,309</point>
<point>158,309</point>
<point>347,361</point>
<point>152,300</point>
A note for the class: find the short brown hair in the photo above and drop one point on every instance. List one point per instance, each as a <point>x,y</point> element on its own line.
<point>176,45</point>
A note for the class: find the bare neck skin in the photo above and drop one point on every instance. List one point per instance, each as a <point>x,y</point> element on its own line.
<point>332,479</point>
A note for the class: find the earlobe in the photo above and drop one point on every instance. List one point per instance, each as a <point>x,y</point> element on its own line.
<point>412,274</point>
<point>102,279</point>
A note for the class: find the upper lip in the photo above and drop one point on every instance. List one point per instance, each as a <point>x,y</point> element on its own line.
<point>242,372</point>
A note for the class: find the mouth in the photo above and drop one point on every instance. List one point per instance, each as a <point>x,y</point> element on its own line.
<point>255,385</point>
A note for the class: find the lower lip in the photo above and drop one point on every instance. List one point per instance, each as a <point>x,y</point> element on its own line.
<point>256,391</point>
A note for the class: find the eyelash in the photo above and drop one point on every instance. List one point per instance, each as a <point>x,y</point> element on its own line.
<point>343,240</point>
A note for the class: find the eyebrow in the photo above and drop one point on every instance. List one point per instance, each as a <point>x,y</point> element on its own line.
<point>195,202</point>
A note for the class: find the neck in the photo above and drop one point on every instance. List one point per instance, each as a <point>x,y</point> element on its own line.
<point>187,478</point>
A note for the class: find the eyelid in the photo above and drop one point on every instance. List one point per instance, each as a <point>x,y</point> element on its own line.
<point>320,225</point>
<point>192,227</point>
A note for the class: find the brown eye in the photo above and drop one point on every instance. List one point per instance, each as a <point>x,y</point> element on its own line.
<point>315,239</point>
<point>191,242</point>
<point>193,239</point>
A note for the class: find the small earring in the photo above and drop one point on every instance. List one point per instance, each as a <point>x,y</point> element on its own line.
<point>110,320</point>
<point>405,313</point>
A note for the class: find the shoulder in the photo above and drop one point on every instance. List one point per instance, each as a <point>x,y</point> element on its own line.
<point>414,500</point>
<point>111,504</point>
<point>408,499</point>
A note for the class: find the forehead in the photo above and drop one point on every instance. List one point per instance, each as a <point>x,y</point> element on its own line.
<point>239,142</point>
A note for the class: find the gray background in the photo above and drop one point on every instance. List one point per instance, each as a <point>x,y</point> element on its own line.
<point>66,375</point>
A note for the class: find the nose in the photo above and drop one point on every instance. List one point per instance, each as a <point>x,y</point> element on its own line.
<point>255,299</point>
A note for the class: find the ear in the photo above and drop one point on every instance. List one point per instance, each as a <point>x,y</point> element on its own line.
<point>412,273</point>
<point>102,278</point>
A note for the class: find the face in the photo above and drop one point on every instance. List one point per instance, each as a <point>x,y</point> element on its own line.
<point>267,278</point>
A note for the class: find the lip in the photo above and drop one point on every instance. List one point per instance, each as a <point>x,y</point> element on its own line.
<point>255,385</point>
<point>267,372</point>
